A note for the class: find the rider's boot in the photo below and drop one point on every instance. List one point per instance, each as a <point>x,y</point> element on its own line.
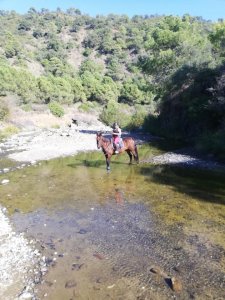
<point>117,149</point>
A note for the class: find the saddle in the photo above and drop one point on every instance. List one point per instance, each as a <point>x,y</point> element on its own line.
<point>120,144</point>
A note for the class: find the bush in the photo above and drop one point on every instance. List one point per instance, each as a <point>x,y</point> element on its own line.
<point>56,109</point>
<point>8,131</point>
<point>4,112</point>
<point>213,143</point>
<point>138,119</point>
<point>115,112</point>
<point>89,106</point>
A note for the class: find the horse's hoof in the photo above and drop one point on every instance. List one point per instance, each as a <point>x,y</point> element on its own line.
<point>108,168</point>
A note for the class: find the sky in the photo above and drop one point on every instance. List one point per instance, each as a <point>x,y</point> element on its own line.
<point>208,9</point>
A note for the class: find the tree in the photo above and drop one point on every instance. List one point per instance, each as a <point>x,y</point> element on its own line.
<point>217,37</point>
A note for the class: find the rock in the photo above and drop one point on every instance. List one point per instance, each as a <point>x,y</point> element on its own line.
<point>26,295</point>
<point>5,181</point>
<point>176,284</point>
<point>110,286</point>
<point>158,271</point>
<point>82,231</point>
<point>99,256</point>
<point>70,284</point>
<point>77,267</point>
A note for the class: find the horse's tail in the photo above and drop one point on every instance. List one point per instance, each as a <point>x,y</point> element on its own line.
<point>136,154</point>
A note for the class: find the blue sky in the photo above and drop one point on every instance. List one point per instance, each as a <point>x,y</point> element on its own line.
<point>208,9</point>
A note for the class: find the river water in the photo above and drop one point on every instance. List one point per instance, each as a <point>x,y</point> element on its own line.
<point>138,232</point>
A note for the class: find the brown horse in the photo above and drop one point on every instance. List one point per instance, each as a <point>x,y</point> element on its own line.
<point>107,147</point>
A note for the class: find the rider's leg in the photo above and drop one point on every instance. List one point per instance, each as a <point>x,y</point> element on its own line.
<point>116,141</point>
<point>117,148</point>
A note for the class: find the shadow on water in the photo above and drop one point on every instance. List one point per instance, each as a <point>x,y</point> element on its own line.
<point>204,184</point>
<point>94,164</point>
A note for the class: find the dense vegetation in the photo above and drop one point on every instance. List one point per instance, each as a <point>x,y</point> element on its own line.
<point>162,73</point>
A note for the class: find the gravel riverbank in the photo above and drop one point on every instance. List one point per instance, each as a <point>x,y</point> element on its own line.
<point>183,158</point>
<point>20,263</point>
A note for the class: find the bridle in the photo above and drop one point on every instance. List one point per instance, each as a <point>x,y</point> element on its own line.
<point>101,143</point>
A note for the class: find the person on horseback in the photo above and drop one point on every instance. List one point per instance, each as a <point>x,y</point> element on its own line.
<point>116,134</point>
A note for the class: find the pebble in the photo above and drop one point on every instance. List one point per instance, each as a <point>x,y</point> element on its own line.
<point>5,181</point>
<point>26,295</point>
<point>82,231</point>
<point>70,283</point>
<point>20,253</point>
<point>110,286</point>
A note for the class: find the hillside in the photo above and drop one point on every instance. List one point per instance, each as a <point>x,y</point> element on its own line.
<point>134,70</point>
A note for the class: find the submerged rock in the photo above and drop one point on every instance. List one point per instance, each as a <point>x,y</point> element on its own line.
<point>70,283</point>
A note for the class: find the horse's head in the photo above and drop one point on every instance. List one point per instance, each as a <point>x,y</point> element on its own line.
<point>99,139</point>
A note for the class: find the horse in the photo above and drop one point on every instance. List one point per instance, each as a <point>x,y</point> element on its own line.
<point>107,147</point>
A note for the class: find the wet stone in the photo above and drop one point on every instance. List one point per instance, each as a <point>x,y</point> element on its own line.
<point>48,261</point>
<point>48,283</point>
<point>176,284</point>
<point>70,284</point>
<point>98,255</point>
<point>82,231</point>
<point>76,267</point>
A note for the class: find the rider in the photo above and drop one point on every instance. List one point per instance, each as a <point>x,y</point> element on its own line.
<point>116,133</point>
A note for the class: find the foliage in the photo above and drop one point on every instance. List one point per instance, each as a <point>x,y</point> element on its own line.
<point>88,107</point>
<point>138,118</point>
<point>4,110</point>
<point>172,65</point>
<point>213,143</point>
<point>113,112</point>
<point>8,131</point>
<point>217,37</point>
<point>56,109</point>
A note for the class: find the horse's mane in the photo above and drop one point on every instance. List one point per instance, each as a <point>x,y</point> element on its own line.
<point>106,139</point>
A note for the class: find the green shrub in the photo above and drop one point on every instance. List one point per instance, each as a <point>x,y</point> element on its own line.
<point>56,109</point>
<point>8,131</point>
<point>138,118</point>
<point>89,106</point>
<point>4,111</point>
<point>115,112</point>
<point>26,107</point>
<point>213,143</point>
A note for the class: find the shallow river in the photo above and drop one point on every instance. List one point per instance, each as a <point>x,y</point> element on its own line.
<point>138,232</point>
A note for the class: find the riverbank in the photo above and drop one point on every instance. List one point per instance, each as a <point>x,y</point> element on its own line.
<point>20,263</point>
<point>185,158</point>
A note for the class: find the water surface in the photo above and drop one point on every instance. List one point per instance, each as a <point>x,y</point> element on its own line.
<point>103,234</point>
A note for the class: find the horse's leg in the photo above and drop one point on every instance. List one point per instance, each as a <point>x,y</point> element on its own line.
<point>135,154</point>
<point>107,157</point>
<point>130,156</point>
